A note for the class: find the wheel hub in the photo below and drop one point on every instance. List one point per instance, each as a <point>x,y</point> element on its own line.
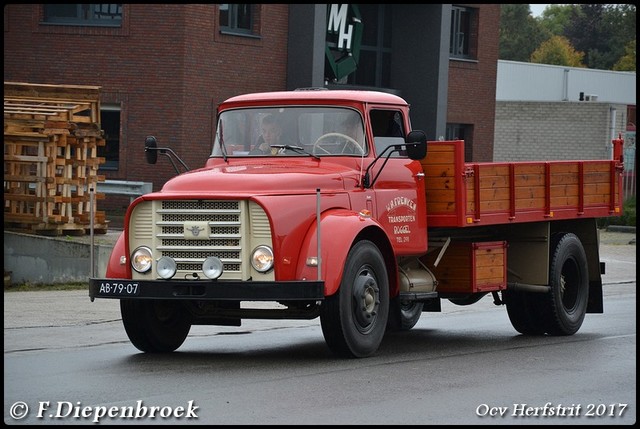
<point>365,301</point>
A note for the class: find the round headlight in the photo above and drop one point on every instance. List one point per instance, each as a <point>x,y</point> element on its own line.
<point>166,267</point>
<point>262,259</point>
<point>141,259</point>
<point>212,267</point>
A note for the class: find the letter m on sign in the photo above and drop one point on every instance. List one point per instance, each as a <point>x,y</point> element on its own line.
<point>338,25</point>
<point>344,37</point>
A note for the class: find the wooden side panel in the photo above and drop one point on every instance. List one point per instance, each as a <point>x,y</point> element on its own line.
<point>535,191</point>
<point>443,167</point>
<point>471,267</point>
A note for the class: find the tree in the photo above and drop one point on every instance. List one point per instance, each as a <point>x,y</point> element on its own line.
<point>554,18</point>
<point>602,33</point>
<point>557,51</point>
<point>628,61</point>
<point>520,33</point>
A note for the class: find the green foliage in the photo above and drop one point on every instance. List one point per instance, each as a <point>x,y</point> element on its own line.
<point>628,61</point>
<point>628,217</point>
<point>554,18</point>
<point>605,34</point>
<point>557,51</point>
<point>520,33</point>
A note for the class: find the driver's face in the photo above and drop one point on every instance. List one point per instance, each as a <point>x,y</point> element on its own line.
<point>271,133</point>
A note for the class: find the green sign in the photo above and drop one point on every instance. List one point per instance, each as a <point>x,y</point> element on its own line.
<point>344,37</point>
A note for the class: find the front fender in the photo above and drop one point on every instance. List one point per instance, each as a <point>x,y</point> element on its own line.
<point>338,230</point>
<point>115,270</point>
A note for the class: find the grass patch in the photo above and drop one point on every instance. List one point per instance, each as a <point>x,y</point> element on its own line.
<point>31,287</point>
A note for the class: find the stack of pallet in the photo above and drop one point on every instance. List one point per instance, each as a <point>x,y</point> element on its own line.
<point>51,139</point>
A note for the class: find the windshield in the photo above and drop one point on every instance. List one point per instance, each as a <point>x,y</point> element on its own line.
<point>289,131</point>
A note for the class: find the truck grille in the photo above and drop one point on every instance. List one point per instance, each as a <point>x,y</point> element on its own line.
<point>228,224</point>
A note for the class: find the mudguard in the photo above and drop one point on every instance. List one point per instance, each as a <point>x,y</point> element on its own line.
<point>115,270</point>
<point>338,231</point>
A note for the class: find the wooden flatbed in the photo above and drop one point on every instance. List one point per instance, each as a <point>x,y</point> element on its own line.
<point>461,194</point>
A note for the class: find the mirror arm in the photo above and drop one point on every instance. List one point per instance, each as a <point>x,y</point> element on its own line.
<point>169,153</point>
<point>365,178</point>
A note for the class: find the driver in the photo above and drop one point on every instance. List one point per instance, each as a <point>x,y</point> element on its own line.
<point>271,133</point>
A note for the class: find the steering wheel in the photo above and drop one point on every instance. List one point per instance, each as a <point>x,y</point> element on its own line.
<point>350,142</point>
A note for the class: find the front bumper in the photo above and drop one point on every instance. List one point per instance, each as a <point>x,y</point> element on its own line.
<point>206,290</point>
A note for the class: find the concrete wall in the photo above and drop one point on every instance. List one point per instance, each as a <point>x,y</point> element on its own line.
<point>47,260</point>
<point>531,130</point>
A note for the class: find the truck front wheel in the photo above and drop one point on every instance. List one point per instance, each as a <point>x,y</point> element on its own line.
<point>354,319</point>
<point>155,326</point>
<point>404,314</point>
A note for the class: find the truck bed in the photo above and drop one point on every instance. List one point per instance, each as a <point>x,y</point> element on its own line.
<point>463,194</point>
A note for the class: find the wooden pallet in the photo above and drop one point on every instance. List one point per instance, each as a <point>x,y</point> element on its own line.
<point>51,137</point>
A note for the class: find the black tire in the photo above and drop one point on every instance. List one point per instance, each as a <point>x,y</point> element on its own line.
<point>569,280</point>
<point>354,319</point>
<point>403,315</point>
<point>524,312</point>
<point>561,311</point>
<point>155,326</point>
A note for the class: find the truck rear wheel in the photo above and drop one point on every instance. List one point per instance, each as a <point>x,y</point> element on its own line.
<point>524,309</point>
<point>155,326</point>
<point>566,304</point>
<point>354,319</point>
<point>561,311</point>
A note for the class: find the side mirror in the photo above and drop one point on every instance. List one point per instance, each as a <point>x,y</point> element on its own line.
<point>151,149</point>
<point>416,145</point>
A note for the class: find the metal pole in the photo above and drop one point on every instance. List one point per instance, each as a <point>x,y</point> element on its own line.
<point>318,238</point>
<point>91,256</point>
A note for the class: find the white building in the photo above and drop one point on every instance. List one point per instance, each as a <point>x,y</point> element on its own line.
<point>546,112</point>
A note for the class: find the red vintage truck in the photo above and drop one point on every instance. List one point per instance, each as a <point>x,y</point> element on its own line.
<point>353,217</point>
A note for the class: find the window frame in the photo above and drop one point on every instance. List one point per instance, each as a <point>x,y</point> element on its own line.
<point>232,26</point>
<point>77,20</point>
<point>462,24</point>
<point>380,51</point>
<point>110,164</point>
<point>457,131</point>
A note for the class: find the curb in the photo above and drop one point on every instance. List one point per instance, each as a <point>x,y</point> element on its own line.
<point>621,228</point>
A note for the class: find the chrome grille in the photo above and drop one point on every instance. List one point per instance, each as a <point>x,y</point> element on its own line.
<point>235,228</point>
<point>224,242</point>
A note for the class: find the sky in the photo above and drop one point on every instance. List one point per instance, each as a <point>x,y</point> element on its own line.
<point>536,9</point>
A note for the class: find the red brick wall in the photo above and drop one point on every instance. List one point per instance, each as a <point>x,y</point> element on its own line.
<point>472,93</point>
<point>167,77</point>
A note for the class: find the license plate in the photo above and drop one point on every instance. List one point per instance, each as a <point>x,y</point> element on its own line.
<point>119,289</point>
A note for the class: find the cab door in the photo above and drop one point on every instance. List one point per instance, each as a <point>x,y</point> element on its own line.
<point>398,184</point>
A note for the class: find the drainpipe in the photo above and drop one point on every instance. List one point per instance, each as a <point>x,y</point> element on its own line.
<point>612,114</point>
<point>565,85</point>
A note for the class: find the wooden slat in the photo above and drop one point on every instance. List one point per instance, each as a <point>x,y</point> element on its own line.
<point>51,136</point>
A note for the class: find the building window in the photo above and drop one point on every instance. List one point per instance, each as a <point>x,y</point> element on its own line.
<point>109,15</point>
<point>462,132</point>
<point>237,18</point>
<point>461,38</point>
<point>374,67</point>
<point>110,117</point>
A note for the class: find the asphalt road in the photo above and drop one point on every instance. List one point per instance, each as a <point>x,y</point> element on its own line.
<point>465,365</point>
<point>58,313</point>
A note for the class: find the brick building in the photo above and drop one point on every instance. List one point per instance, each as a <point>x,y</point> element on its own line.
<point>163,68</point>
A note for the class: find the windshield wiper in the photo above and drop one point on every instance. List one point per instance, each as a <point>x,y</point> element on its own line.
<point>297,149</point>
